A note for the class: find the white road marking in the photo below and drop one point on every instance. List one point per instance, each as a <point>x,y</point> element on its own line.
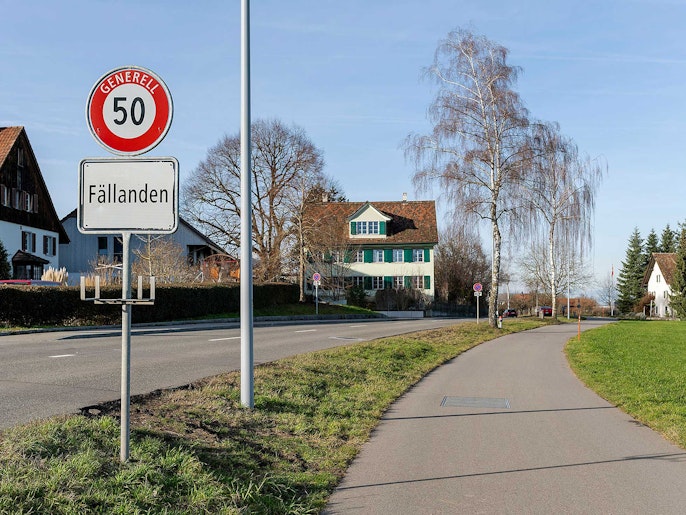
<point>355,326</point>
<point>222,339</point>
<point>63,356</point>
<point>306,331</point>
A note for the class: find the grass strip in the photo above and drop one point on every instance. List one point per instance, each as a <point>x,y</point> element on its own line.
<point>639,366</point>
<point>195,450</point>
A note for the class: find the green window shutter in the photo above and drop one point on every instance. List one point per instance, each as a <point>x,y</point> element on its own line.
<point>427,255</point>
<point>388,256</point>
<point>347,256</point>
<point>367,283</point>
<point>388,282</point>
<point>368,256</point>
<point>382,227</point>
<point>427,282</point>
<point>408,281</point>
<point>353,228</point>
<point>408,256</point>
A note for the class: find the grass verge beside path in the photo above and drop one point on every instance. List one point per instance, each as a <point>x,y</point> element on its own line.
<point>195,450</point>
<point>641,368</point>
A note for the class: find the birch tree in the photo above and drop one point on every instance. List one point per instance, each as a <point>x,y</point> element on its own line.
<point>474,151</point>
<point>560,191</point>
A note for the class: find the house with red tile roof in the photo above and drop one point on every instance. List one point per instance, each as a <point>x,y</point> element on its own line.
<point>657,279</point>
<point>30,230</point>
<point>375,245</point>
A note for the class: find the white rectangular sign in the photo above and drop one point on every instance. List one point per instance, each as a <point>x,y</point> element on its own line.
<point>138,195</point>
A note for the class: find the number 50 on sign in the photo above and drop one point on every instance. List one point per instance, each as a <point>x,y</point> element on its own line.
<point>129,110</point>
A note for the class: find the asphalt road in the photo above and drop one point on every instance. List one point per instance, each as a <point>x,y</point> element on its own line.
<point>507,428</point>
<point>44,374</point>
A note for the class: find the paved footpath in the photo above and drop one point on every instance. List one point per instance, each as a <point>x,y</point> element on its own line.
<point>507,428</point>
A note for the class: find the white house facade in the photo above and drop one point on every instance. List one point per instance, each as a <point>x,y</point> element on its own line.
<point>29,227</point>
<point>657,280</point>
<point>377,245</point>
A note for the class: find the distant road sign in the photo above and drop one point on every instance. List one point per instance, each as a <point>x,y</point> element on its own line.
<point>478,287</point>
<point>316,276</point>
<point>139,195</point>
<point>129,110</point>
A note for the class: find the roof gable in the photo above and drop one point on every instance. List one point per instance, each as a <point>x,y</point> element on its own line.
<point>408,222</point>
<point>11,139</point>
<point>369,212</point>
<point>666,263</point>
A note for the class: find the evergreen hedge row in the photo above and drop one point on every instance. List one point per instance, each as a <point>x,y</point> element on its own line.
<point>36,306</point>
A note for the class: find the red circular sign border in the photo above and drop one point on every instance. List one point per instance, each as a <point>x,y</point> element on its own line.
<point>125,146</point>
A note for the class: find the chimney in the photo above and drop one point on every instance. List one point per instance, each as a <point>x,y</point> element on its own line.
<point>325,197</point>
<point>404,197</point>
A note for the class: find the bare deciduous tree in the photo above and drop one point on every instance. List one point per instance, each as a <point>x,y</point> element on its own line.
<point>162,258</point>
<point>459,263</point>
<point>475,148</point>
<point>535,268</point>
<point>311,186</point>
<point>280,155</point>
<point>560,190</point>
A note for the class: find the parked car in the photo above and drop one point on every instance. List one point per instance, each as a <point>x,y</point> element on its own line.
<point>509,313</point>
<point>546,310</point>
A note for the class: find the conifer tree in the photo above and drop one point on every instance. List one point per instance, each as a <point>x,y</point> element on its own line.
<point>5,268</point>
<point>652,244</point>
<point>668,240</point>
<point>677,297</point>
<point>629,282</point>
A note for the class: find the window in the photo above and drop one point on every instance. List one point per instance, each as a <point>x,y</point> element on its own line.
<point>398,255</point>
<point>366,227</point>
<point>356,280</point>
<point>336,256</point>
<point>377,256</point>
<point>657,278</point>
<point>418,255</point>
<point>28,241</point>
<point>16,198</point>
<point>27,201</point>
<point>359,256</point>
<point>5,198</point>
<point>102,246</point>
<point>118,248</point>
<point>398,282</point>
<point>377,283</point>
<point>49,245</point>
<point>20,157</point>
<point>418,282</point>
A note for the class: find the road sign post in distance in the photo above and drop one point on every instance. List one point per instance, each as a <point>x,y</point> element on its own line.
<point>129,110</point>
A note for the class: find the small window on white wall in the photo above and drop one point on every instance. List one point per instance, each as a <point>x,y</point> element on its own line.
<point>657,278</point>
<point>378,256</point>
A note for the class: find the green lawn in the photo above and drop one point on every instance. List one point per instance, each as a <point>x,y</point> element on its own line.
<point>641,368</point>
<point>195,450</point>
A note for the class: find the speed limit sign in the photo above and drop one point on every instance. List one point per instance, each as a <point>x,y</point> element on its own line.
<point>129,110</point>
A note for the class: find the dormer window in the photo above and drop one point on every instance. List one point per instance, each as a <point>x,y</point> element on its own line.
<point>366,227</point>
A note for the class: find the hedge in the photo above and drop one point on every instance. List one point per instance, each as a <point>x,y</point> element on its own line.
<point>36,306</point>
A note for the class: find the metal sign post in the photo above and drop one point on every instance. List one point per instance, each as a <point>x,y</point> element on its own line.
<point>247,358</point>
<point>477,293</point>
<point>316,279</point>
<point>129,111</point>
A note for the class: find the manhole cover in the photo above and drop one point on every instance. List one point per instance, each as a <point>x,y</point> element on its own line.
<point>475,402</point>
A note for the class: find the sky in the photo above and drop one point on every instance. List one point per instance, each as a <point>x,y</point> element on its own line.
<point>612,73</point>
